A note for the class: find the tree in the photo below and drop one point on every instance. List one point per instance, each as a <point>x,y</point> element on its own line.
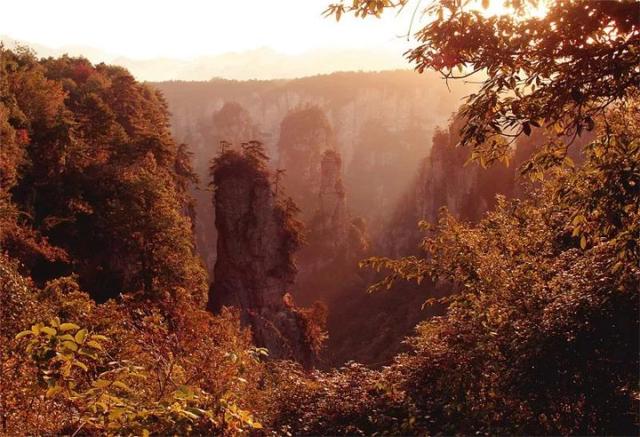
<point>560,71</point>
<point>541,334</point>
<point>92,182</point>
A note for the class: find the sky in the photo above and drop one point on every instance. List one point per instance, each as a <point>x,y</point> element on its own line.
<point>185,29</point>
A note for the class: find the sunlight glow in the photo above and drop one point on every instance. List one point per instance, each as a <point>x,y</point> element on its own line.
<point>498,7</point>
<point>185,29</point>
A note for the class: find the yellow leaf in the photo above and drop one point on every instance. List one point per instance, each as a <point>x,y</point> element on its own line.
<point>70,345</point>
<point>82,351</point>
<point>80,364</point>
<point>578,219</point>
<point>81,335</point>
<point>94,344</point>
<point>190,415</point>
<point>23,334</point>
<point>583,242</point>
<point>103,406</point>
<point>122,385</point>
<point>49,331</point>
<point>52,391</point>
<point>116,413</point>
<point>101,383</point>
<point>37,328</point>
<point>68,326</point>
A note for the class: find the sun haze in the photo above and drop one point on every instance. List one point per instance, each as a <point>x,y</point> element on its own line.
<point>146,29</point>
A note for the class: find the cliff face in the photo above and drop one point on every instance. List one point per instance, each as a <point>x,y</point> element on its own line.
<point>335,240</point>
<point>304,134</point>
<point>254,271</point>
<point>378,158</point>
<point>386,155</point>
<point>332,217</point>
<point>383,320</point>
<point>444,179</point>
<point>382,124</point>
<point>232,123</point>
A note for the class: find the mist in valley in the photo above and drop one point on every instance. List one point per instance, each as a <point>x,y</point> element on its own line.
<point>347,218</point>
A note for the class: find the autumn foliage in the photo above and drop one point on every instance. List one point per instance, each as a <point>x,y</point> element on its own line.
<point>104,329</point>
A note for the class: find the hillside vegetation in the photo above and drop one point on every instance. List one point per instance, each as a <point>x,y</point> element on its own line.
<point>110,327</point>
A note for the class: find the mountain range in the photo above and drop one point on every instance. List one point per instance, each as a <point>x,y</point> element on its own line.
<point>261,63</point>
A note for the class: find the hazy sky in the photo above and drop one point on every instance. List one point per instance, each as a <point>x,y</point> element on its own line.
<point>189,28</point>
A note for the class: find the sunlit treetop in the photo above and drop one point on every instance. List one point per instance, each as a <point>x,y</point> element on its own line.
<point>559,69</point>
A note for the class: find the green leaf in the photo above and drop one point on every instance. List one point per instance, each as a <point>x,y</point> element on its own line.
<point>68,326</point>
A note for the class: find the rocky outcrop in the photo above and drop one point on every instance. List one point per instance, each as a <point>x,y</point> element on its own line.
<point>382,123</point>
<point>336,241</point>
<point>385,319</point>
<point>386,155</point>
<point>331,217</point>
<point>304,134</point>
<point>231,123</point>
<point>254,270</point>
<point>444,179</point>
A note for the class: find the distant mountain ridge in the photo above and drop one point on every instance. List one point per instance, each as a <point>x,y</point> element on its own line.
<point>261,63</point>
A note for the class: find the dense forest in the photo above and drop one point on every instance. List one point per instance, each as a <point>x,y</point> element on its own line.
<point>347,254</point>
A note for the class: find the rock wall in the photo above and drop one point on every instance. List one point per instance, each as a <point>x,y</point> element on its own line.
<point>336,241</point>
<point>305,133</point>
<point>382,123</point>
<point>332,217</point>
<point>371,328</point>
<point>231,123</point>
<point>254,270</point>
<point>444,179</point>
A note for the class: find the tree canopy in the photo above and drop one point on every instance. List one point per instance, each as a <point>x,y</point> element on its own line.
<point>559,71</point>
